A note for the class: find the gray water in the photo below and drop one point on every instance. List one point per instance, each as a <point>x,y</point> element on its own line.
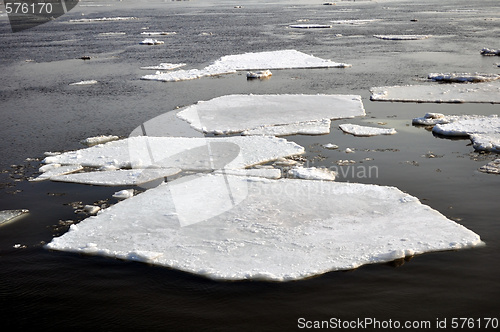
<point>40,112</point>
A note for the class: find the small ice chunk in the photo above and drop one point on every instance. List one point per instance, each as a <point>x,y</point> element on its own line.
<point>349,150</point>
<point>402,37</point>
<point>354,22</point>
<point>237,113</point>
<point>124,194</point>
<point>321,127</point>
<point>259,74</point>
<point>9,215</point>
<point>119,177</point>
<point>358,130</point>
<point>165,66</point>
<point>488,51</point>
<point>102,19</point>
<point>312,173</point>
<point>469,125</point>
<point>99,139</point>
<point>486,142</point>
<point>89,82</point>
<point>431,119</point>
<point>91,209</point>
<point>310,26</point>
<point>463,77</point>
<point>158,33</point>
<point>56,171</point>
<point>150,41</point>
<point>268,173</point>
<point>493,167</point>
<point>330,146</point>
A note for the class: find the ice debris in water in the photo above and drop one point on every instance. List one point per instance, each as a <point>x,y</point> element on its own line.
<point>493,167</point>
<point>487,92</point>
<point>9,215</point>
<point>402,37</point>
<point>463,77</point>
<point>259,74</point>
<point>284,59</point>
<point>102,19</point>
<point>89,82</point>
<point>330,146</point>
<point>124,194</point>
<point>232,227</point>
<point>310,26</point>
<point>238,113</point>
<point>312,173</point>
<point>99,139</point>
<point>150,41</point>
<point>354,22</point>
<point>358,130</point>
<point>165,66</point>
<point>488,51</point>
<point>320,127</point>
<point>486,142</point>
<point>56,170</point>
<point>158,33</point>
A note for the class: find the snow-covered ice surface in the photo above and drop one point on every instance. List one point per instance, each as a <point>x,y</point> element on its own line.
<point>402,37</point>
<point>120,177</point>
<point>268,173</point>
<point>469,125</point>
<point>488,92</point>
<point>320,127</point>
<point>99,139</point>
<point>312,173</point>
<point>89,82</point>
<point>284,59</point>
<point>272,229</point>
<point>8,215</point>
<point>165,66</point>
<point>56,171</point>
<point>310,26</point>
<point>186,153</point>
<point>358,130</point>
<point>462,77</point>
<point>237,113</point>
<point>493,167</point>
<point>486,142</point>
<point>150,41</point>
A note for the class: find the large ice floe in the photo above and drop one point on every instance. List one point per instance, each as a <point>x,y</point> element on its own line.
<point>234,227</point>
<point>284,59</point>
<point>488,92</point>
<point>462,77</point>
<point>271,114</point>
<point>358,130</point>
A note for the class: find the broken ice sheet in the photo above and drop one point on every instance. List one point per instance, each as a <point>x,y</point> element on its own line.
<point>9,215</point>
<point>462,77</point>
<point>486,142</point>
<point>89,82</point>
<point>468,125</point>
<point>99,139</point>
<point>284,59</point>
<point>102,19</point>
<point>238,113</point>
<point>56,171</point>
<point>493,167</point>
<point>186,153</point>
<point>358,130</point>
<point>310,26</point>
<point>488,92</point>
<point>249,228</point>
<point>312,173</point>
<point>165,66</point>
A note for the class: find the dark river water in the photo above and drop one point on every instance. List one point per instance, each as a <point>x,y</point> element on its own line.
<point>40,111</point>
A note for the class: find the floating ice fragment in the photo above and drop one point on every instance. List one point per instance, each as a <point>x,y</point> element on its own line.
<point>9,215</point>
<point>285,59</point>
<point>349,150</point>
<point>165,66</point>
<point>149,41</point>
<point>237,113</point>
<point>102,19</point>
<point>56,171</point>
<point>488,92</point>
<point>463,77</point>
<point>124,194</point>
<point>402,37</point>
<point>321,127</point>
<point>353,22</point>
<point>89,82</point>
<point>310,26</point>
<point>493,167</point>
<point>486,142</point>
<point>91,209</point>
<point>282,230</point>
<point>358,130</point>
<point>469,125</point>
<point>487,51</point>
<point>330,146</point>
<point>160,33</point>
<point>268,173</point>
<point>259,74</point>
<point>312,173</point>
<point>99,139</point>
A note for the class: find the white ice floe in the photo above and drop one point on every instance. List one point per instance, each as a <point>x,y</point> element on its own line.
<point>259,74</point>
<point>237,113</point>
<point>486,142</point>
<point>186,153</point>
<point>120,177</point>
<point>99,139</point>
<point>158,33</point>
<point>165,66</point>
<point>102,19</point>
<point>273,229</point>
<point>268,173</point>
<point>320,127</point>
<point>312,173</point>
<point>124,194</point>
<point>49,172</point>
<point>488,92</point>
<point>89,82</point>
<point>112,33</point>
<point>9,215</point>
<point>402,37</point>
<point>358,130</point>
<point>493,167</point>
<point>353,22</point>
<point>285,59</point>
<point>330,146</point>
<point>462,77</point>
<point>468,125</point>
<point>150,41</point>
<point>488,51</point>
<point>310,26</point>
<point>431,119</point>
<point>91,209</point>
